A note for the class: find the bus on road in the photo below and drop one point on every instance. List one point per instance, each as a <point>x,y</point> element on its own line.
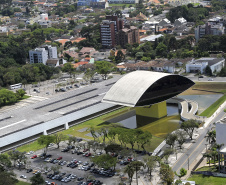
<point>15,86</point>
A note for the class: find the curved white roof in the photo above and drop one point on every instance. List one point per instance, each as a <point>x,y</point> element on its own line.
<point>128,90</point>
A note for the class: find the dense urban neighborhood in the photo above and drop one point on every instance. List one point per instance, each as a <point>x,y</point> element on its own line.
<point>112,92</point>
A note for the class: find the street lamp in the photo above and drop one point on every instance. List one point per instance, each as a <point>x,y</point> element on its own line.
<point>188,160</point>
<point>206,146</point>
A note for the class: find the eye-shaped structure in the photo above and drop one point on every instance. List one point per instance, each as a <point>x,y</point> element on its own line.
<point>144,88</point>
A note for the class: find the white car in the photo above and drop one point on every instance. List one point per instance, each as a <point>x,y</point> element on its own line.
<point>47,182</point>
<point>31,152</point>
<point>210,79</point>
<point>23,176</point>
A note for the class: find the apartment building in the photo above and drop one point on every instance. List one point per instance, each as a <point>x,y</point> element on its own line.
<point>42,54</point>
<point>107,32</point>
<point>128,35</point>
<point>209,29</point>
<point>113,33</point>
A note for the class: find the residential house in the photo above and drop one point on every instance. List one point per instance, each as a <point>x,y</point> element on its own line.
<point>86,51</point>
<point>79,65</point>
<point>141,17</point>
<point>164,22</point>
<point>100,56</point>
<point>5,19</point>
<point>180,21</point>
<point>18,14</point>
<point>53,62</point>
<point>123,1</point>
<point>155,2</point>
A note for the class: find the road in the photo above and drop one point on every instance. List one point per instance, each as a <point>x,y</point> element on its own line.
<point>199,145</point>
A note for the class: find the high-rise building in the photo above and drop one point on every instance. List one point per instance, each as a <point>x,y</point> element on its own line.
<point>128,35</point>
<point>107,34</point>
<point>113,33</point>
<point>42,54</point>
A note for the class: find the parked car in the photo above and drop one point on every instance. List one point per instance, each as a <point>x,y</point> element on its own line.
<point>34,156</point>
<point>23,176</point>
<point>29,170</point>
<point>89,154</point>
<point>65,150</point>
<point>59,158</point>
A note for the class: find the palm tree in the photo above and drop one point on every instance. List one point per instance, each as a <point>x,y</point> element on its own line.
<point>137,165</point>
<point>129,169</point>
<point>208,136</point>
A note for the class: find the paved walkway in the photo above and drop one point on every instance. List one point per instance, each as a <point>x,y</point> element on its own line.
<point>189,109</point>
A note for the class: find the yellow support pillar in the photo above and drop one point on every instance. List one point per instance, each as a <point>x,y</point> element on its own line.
<point>158,110</point>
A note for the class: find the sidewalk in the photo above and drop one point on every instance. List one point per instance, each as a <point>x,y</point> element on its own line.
<point>173,158</point>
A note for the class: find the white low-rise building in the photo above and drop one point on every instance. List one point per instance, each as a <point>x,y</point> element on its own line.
<point>195,66</point>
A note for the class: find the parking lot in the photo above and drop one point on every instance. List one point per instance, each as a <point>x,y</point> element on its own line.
<point>74,167</point>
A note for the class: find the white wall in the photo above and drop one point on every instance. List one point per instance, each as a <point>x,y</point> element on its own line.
<point>220,133</point>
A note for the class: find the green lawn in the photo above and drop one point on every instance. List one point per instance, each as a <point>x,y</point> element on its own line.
<point>206,180</point>
<point>208,168</point>
<point>25,97</point>
<point>22,183</point>
<point>96,123</point>
<point>34,146</point>
<point>210,110</point>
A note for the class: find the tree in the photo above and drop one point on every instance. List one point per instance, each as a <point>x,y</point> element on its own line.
<point>161,50</point>
<point>208,71</point>
<point>58,137</point>
<point>189,127</point>
<point>7,177</point>
<point>93,132</point>
<point>104,161</point>
<point>103,68</point>
<point>45,140</point>
<point>113,148</point>
<point>17,156</point>
<point>130,137</point>
<point>167,153</point>
<point>144,138</point>
<point>68,67</point>
<point>55,168</point>
<point>181,137</point>
<point>170,139</point>
<point>211,136</point>
<point>119,57</point>
<point>166,174</point>
<point>137,165</point>
<point>129,169</point>
<point>20,93</point>
<point>5,162</point>
<point>71,140</point>
<point>37,179</point>
<point>183,172</point>
<point>150,163</point>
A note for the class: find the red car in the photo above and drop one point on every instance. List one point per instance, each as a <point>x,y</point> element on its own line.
<point>34,156</point>
<point>89,154</point>
<point>59,158</point>
<point>85,150</point>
